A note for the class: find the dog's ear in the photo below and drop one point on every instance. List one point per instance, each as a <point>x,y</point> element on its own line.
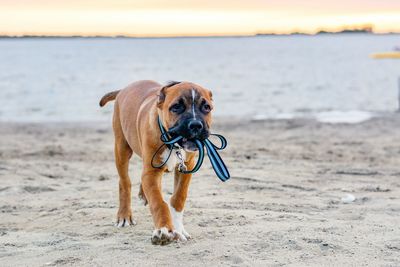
<point>163,90</point>
<point>161,97</point>
<point>210,94</point>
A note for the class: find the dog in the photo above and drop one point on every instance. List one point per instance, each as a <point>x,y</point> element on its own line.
<point>184,109</point>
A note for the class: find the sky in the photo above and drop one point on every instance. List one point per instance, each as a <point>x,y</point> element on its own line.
<point>186,17</point>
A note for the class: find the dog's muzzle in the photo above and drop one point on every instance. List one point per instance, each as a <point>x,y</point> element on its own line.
<point>190,129</point>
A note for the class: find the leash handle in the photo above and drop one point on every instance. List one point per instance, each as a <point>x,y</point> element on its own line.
<point>217,163</point>
<point>164,162</point>
<point>200,146</point>
<point>224,143</point>
<point>170,142</point>
<point>165,138</point>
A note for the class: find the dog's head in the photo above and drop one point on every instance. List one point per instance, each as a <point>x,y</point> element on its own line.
<point>185,110</point>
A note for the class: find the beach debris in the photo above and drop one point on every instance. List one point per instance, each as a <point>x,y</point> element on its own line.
<point>298,187</point>
<point>103,177</point>
<point>37,189</point>
<point>375,189</point>
<point>360,172</point>
<point>349,198</point>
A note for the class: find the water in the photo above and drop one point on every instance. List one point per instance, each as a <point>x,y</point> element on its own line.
<point>260,77</point>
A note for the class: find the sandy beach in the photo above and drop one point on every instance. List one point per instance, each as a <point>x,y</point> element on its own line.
<point>282,207</point>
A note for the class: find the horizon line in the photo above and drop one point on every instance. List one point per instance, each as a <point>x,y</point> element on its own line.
<point>322,32</point>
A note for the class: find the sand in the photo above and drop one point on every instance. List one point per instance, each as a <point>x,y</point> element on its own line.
<point>282,207</point>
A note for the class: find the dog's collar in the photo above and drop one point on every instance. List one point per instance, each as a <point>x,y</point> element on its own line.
<point>171,143</point>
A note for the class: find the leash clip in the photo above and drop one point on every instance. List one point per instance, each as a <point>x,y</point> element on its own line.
<point>181,167</point>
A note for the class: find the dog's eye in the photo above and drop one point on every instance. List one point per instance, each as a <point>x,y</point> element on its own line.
<point>177,108</point>
<point>206,108</point>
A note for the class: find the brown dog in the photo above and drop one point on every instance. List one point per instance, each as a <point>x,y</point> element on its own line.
<point>184,109</point>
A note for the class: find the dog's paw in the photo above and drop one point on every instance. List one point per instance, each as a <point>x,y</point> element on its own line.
<point>163,237</point>
<point>125,221</point>
<point>182,235</point>
<point>186,234</point>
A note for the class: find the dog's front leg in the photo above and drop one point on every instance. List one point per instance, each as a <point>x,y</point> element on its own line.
<point>178,199</point>
<point>164,231</point>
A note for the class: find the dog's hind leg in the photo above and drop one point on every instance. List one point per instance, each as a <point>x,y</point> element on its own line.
<point>123,153</point>
<point>142,196</point>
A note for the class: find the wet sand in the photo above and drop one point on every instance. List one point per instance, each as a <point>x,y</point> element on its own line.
<point>282,206</point>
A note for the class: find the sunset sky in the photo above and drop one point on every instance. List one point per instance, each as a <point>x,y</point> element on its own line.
<point>185,17</point>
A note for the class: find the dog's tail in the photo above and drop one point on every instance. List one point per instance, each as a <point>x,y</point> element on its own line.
<point>108,97</point>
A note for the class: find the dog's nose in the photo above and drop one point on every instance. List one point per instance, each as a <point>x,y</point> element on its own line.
<point>195,126</point>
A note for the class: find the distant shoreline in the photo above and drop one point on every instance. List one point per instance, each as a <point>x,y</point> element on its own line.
<point>321,33</point>
<point>183,37</point>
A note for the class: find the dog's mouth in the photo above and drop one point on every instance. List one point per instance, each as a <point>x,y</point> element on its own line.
<point>189,139</point>
<point>188,144</point>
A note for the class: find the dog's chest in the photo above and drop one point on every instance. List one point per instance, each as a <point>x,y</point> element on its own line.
<point>173,159</point>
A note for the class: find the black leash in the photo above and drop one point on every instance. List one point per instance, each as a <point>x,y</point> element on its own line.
<point>216,161</point>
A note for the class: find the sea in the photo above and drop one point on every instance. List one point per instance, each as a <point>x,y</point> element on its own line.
<point>329,77</point>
